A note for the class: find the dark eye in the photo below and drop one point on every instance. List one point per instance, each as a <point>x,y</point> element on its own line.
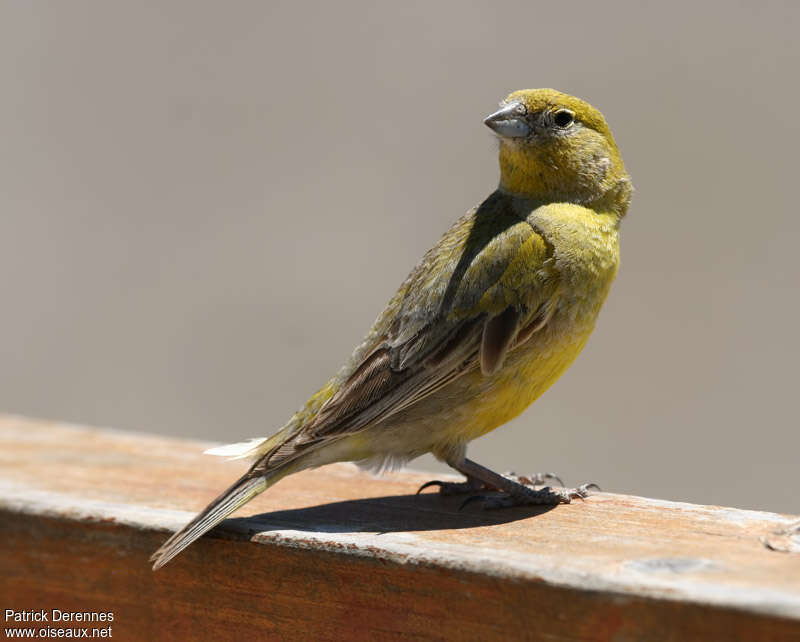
<point>563,118</point>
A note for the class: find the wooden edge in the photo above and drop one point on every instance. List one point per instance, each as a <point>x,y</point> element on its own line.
<point>82,508</point>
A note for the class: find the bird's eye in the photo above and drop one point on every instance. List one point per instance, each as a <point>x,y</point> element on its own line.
<point>563,118</point>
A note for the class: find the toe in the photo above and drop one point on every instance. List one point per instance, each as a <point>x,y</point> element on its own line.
<point>542,478</point>
<point>433,482</point>
<point>582,491</point>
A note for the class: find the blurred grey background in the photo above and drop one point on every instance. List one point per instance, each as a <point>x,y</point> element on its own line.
<point>204,206</point>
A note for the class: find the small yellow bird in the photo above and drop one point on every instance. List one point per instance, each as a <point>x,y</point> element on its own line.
<point>492,315</point>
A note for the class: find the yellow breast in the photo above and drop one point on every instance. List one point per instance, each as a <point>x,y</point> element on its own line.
<point>586,252</point>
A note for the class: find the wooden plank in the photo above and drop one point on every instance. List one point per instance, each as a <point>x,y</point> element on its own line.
<point>338,554</point>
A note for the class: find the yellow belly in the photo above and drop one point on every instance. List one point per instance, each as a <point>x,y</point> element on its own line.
<point>525,378</point>
<point>469,407</point>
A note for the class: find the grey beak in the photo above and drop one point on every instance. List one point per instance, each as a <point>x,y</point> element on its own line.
<point>508,121</point>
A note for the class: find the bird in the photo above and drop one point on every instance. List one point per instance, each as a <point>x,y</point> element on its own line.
<point>488,319</point>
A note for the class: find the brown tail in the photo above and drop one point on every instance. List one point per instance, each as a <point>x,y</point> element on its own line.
<point>237,495</point>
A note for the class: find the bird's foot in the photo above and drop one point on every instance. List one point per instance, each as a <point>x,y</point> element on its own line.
<point>507,490</point>
<point>473,484</point>
<point>526,496</point>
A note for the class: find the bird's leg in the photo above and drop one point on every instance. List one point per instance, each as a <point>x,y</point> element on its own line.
<point>513,492</point>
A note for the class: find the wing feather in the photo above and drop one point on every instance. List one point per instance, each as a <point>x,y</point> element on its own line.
<point>498,334</point>
<point>465,306</point>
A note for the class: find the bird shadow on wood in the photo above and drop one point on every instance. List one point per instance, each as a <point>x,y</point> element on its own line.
<point>390,514</point>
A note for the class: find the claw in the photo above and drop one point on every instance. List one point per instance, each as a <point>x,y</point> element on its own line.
<point>554,477</point>
<point>453,488</point>
<point>582,491</point>
<point>433,482</point>
<point>541,478</point>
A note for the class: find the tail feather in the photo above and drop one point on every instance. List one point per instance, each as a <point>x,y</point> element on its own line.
<point>252,447</point>
<point>236,451</point>
<point>237,495</point>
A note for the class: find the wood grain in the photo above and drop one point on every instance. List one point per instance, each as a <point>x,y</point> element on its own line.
<point>338,554</point>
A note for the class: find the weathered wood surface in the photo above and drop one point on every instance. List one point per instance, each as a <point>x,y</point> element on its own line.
<point>338,554</point>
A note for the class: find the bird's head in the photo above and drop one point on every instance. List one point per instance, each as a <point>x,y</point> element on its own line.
<point>555,147</point>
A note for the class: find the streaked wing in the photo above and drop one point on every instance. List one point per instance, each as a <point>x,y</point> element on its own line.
<point>484,288</point>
